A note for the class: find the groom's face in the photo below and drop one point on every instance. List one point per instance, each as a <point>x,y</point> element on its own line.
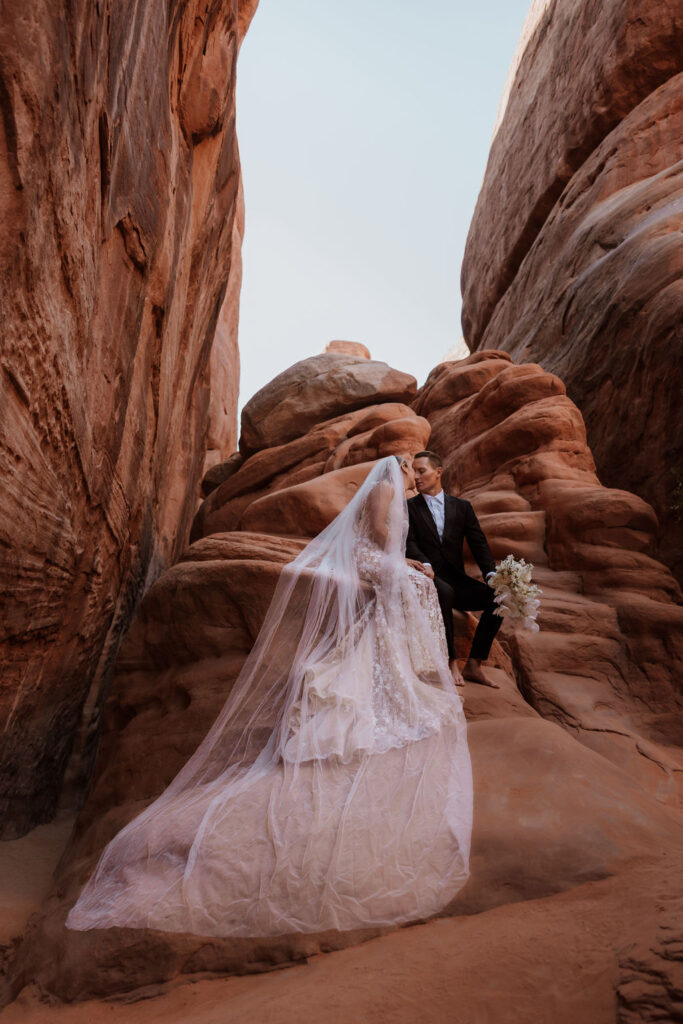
<point>427,477</point>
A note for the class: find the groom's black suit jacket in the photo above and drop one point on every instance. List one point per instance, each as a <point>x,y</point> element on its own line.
<point>460,523</point>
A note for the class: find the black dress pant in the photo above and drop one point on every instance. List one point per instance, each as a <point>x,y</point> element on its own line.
<point>458,590</point>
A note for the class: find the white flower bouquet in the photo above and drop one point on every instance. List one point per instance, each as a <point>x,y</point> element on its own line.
<point>515,594</point>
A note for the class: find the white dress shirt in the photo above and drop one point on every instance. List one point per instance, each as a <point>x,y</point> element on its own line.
<point>435,503</point>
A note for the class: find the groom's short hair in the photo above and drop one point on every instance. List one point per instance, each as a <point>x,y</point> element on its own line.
<point>432,456</point>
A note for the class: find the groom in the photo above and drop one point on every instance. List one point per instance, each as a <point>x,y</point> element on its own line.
<point>437,525</point>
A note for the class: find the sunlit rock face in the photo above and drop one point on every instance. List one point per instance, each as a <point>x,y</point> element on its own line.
<point>577,757</point>
<point>120,218</point>
<point>575,256</point>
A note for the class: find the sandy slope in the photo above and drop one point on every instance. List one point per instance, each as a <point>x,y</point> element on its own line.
<point>516,963</point>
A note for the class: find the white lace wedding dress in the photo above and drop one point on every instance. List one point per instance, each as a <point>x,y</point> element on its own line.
<point>334,790</point>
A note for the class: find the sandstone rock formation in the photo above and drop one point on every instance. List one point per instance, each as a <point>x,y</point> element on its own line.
<point>607,662</point>
<point>314,390</point>
<point>574,257</point>
<point>121,221</point>
<point>549,961</point>
<point>348,348</point>
<point>577,757</point>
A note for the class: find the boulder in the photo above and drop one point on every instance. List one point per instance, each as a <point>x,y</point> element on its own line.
<point>305,509</point>
<point>318,389</point>
<point>348,348</point>
<point>364,435</point>
<point>401,436</point>
<point>220,472</point>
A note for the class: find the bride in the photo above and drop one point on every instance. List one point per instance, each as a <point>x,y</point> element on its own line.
<point>334,790</point>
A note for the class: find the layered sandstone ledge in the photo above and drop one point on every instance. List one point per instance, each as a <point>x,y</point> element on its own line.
<point>574,258</point>
<point>577,758</point>
<point>121,221</point>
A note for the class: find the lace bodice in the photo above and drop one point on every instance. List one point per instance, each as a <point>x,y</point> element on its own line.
<point>381,687</point>
<point>405,707</point>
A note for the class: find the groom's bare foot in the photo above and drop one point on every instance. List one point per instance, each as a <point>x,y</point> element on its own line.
<point>455,672</point>
<point>473,672</point>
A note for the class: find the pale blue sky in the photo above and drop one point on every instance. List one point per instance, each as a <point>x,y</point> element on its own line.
<point>364,129</point>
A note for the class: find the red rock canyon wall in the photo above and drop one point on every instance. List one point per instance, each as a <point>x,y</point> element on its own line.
<point>574,258</point>
<point>121,220</point>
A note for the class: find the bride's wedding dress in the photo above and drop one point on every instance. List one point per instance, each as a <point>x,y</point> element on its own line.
<point>334,790</point>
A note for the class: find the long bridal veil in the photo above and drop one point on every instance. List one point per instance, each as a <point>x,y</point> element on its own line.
<point>334,789</point>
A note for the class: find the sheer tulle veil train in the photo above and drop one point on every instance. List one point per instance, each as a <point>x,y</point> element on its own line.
<point>334,789</point>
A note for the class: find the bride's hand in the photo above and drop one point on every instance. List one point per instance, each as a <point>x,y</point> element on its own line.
<point>426,571</point>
